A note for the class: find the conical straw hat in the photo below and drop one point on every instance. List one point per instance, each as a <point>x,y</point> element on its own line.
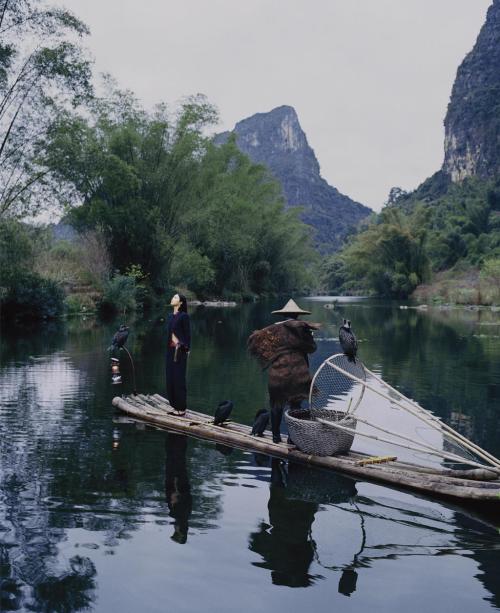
<point>291,307</point>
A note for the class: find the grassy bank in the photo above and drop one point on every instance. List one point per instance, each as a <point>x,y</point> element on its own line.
<point>461,286</point>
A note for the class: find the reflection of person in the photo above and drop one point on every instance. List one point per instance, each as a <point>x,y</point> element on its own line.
<point>178,344</point>
<point>177,487</point>
<point>286,546</point>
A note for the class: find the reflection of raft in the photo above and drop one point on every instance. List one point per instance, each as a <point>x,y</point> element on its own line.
<point>457,485</point>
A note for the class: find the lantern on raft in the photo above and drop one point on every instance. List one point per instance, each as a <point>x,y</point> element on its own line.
<point>116,377</point>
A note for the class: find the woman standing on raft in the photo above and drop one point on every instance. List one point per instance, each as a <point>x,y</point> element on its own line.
<point>178,344</point>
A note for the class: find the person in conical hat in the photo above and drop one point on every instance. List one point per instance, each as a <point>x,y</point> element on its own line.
<point>282,349</point>
<point>291,310</point>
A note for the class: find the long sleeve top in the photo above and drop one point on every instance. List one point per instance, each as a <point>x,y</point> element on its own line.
<point>179,325</point>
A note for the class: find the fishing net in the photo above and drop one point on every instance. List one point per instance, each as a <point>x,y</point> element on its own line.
<point>386,421</point>
<point>334,385</point>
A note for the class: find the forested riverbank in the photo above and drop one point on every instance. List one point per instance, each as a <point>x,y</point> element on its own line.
<point>152,203</point>
<point>441,242</point>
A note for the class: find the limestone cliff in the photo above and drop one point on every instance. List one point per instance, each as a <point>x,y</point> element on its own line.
<point>472,124</point>
<point>277,140</point>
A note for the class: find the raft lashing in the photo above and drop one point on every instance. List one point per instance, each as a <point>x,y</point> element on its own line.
<point>473,485</point>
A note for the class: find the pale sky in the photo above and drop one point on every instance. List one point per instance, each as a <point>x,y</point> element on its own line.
<point>369,79</point>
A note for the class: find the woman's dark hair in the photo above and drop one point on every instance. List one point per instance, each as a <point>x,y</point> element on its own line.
<point>184,303</point>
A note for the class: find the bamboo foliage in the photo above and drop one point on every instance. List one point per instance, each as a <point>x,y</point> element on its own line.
<point>40,72</point>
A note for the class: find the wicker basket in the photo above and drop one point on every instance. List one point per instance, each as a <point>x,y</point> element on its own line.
<point>315,438</point>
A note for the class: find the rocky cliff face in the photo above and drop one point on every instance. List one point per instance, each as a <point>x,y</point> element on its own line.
<point>277,140</point>
<point>472,124</point>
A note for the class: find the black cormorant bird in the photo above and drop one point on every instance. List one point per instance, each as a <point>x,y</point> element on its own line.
<point>222,412</point>
<point>260,422</point>
<point>348,341</point>
<point>120,337</point>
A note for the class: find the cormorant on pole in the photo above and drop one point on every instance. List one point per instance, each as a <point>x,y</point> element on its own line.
<point>348,341</point>
<point>120,337</point>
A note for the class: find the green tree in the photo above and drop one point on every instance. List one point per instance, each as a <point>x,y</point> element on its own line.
<point>240,225</point>
<point>16,250</point>
<point>334,275</point>
<point>24,294</point>
<point>438,227</point>
<point>490,276</point>
<point>132,171</point>
<point>390,257</point>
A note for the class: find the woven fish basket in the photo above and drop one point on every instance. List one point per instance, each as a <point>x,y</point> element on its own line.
<point>315,438</point>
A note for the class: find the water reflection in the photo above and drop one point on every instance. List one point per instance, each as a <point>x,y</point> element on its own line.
<point>28,581</point>
<point>72,589</point>
<point>177,486</point>
<point>285,542</point>
<point>320,524</point>
<point>331,489</point>
<point>87,499</point>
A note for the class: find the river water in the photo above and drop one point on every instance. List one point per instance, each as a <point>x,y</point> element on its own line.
<point>98,513</point>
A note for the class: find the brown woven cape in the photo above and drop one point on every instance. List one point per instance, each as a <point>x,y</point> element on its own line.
<point>283,348</point>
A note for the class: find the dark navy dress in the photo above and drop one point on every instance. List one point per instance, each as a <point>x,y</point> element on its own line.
<point>179,325</point>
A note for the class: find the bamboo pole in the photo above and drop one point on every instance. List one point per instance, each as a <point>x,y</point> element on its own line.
<point>431,450</point>
<point>441,424</point>
<point>428,450</point>
<point>483,472</point>
<point>429,419</point>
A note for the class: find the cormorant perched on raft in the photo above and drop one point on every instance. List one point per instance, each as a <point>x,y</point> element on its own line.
<point>260,422</point>
<point>348,341</point>
<point>222,412</point>
<point>120,337</point>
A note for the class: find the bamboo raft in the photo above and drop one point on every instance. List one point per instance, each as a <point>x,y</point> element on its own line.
<point>478,486</point>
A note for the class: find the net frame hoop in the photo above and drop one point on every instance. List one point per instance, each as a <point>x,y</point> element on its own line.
<point>418,412</point>
<point>350,409</point>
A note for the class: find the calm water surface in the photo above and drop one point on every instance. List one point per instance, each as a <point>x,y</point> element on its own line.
<point>97,513</point>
